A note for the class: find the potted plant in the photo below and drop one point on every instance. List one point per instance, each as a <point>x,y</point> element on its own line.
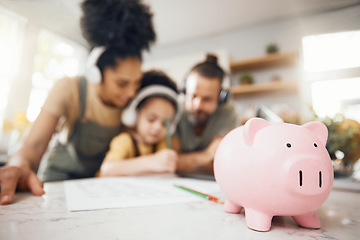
<point>343,143</point>
<point>246,78</point>
<point>272,48</point>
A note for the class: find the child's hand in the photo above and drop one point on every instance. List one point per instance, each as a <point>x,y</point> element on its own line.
<point>165,161</point>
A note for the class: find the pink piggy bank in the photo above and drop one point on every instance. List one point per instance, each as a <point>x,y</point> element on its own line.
<point>275,169</point>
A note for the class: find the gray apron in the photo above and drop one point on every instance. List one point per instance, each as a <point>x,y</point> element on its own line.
<point>84,152</point>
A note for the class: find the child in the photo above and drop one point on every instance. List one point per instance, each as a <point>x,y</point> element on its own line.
<point>144,150</point>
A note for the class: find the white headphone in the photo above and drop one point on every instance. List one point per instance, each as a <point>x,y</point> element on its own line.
<point>129,114</point>
<point>93,73</point>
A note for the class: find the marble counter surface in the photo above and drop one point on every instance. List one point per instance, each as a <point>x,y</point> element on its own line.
<point>47,217</point>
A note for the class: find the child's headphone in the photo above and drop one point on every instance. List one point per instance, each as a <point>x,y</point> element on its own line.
<point>224,94</point>
<point>93,73</point>
<point>129,114</point>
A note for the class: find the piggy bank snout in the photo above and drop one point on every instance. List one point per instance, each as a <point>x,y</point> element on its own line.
<point>310,177</point>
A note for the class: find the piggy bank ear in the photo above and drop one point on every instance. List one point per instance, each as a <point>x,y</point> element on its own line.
<point>319,129</point>
<point>251,127</point>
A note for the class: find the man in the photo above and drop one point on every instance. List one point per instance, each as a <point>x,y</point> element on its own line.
<point>208,116</point>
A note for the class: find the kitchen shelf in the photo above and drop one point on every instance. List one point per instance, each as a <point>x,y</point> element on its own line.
<point>267,61</point>
<point>288,86</point>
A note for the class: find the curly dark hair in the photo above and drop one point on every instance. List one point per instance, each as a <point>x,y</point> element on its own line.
<point>124,25</point>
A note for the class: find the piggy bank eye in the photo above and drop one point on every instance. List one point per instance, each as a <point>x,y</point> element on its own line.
<point>315,145</point>
<point>288,145</point>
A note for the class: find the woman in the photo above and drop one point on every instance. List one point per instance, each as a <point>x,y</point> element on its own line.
<point>88,114</point>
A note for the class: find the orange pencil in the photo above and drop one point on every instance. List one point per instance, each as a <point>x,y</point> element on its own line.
<point>207,196</point>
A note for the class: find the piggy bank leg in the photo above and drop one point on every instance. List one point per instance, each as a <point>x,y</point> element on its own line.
<point>309,220</point>
<point>231,207</point>
<point>258,221</point>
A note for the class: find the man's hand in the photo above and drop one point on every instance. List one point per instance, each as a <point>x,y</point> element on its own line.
<point>203,160</point>
<point>12,178</point>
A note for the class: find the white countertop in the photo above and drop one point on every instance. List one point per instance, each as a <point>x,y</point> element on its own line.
<point>31,217</point>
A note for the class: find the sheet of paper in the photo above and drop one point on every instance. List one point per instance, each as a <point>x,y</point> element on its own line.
<point>123,192</point>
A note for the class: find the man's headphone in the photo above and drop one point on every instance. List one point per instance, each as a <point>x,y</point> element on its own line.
<point>224,94</point>
<point>93,73</point>
<point>129,114</point>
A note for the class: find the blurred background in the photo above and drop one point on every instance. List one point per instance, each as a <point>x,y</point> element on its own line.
<point>299,58</point>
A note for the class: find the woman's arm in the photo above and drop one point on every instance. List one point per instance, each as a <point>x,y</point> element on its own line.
<point>35,142</point>
<point>19,171</point>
